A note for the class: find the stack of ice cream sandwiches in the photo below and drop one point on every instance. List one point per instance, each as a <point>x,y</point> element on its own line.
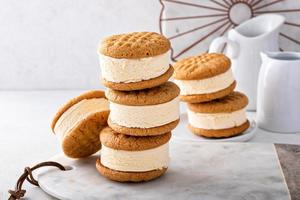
<point>207,84</point>
<point>144,106</point>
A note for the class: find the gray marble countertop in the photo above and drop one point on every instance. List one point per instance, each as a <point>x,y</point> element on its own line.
<point>289,157</point>
<point>26,138</point>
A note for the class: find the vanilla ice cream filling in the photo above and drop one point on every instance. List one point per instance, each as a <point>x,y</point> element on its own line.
<point>204,86</point>
<point>135,161</point>
<point>144,116</point>
<point>133,70</point>
<point>77,113</point>
<point>217,120</point>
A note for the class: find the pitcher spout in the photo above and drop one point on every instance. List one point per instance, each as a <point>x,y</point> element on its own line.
<point>280,56</point>
<point>260,26</point>
<point>273,21</point>
<point>264,57</point>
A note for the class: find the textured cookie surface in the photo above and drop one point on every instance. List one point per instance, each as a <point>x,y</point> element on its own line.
<point>87,95</point>
<point>143,131</point>
<point>134,45</point>
<point>199,98</point>
<point>128,176</point>
<point>221,133</point>
<point>201,67</point>
<point>141,84</point>
<point>157,95</point>
<point>232,102</point>
<point>114,140</point>
<point>83,140</point>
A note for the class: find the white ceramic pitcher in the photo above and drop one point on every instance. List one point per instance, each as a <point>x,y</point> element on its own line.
<point>244,44</point>
<point>278,99</point>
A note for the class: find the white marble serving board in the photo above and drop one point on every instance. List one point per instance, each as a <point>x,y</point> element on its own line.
<point>183,133</point>
<point>207,171</point>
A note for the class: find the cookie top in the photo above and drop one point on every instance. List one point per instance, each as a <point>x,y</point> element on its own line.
<point>114,140</point>
<point>134,45</point>
<point>233,102</point>
<point>157,95</point>
<point>201,67</point>
<point>87,95</point>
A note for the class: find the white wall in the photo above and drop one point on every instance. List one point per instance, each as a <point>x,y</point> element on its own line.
<point>51,44</point>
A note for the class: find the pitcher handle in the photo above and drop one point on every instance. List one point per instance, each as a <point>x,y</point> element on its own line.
<point>232,46</point>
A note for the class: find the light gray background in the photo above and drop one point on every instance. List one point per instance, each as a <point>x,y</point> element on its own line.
<point>52,44</point>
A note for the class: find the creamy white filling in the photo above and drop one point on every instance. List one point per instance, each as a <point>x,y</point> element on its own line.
<point>144,116</point>
<point>77,113</point>
<point>204,86</point>
<point>135,161</point>
<point>133,70</point>
<point>217,120</point>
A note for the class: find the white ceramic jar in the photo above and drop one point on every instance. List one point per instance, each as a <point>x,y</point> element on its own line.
<point>278,99</point>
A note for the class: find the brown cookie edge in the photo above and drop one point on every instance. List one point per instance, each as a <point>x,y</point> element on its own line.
<point>119,141</point>
<point>128,176</point>
<point>141,84</point>
<point>220,133</point>
<point>199,98</point>
<point>143,131</point>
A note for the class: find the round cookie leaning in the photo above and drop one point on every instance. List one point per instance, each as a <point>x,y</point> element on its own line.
<point>135,61</point>
<point>132,159</point>
<point>219,118</point>
<point>145,112</point>
<point>204,78</point>
<point>78,123</point>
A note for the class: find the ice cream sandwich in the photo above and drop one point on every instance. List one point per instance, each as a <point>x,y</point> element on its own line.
<point>145,112</point>
<point>133,159</point>
<point>78,123</point>
<point>224,117</point>
<point>204,78</point>
<point>135,61</point>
